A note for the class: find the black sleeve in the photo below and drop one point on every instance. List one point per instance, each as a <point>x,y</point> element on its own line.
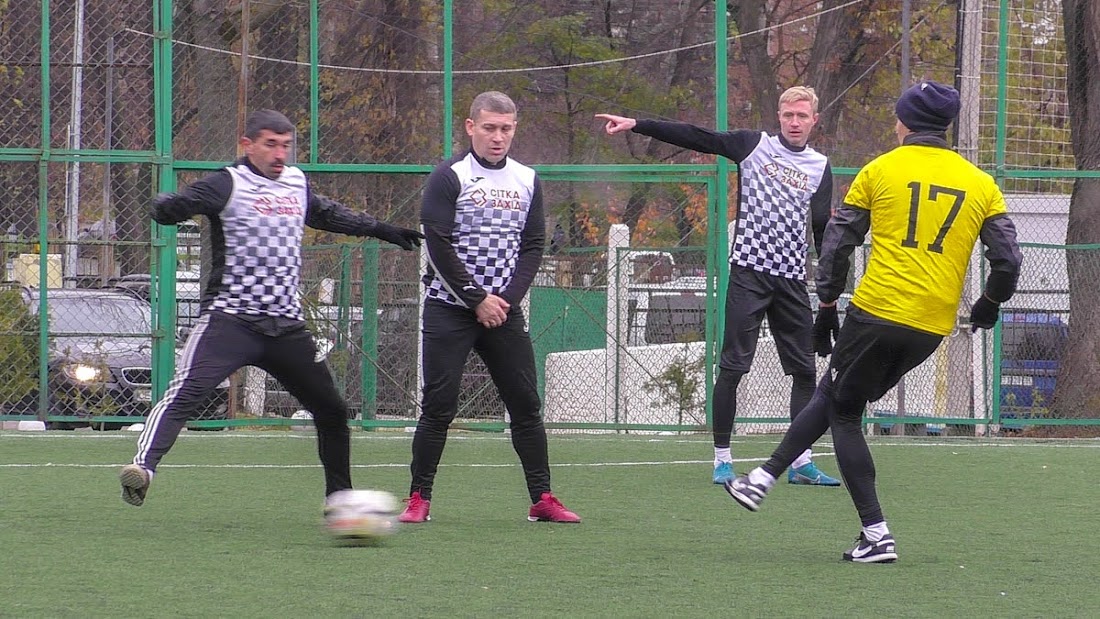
<point>437,215</point>
<point>735,145</point>
<point>324,213</point>
<point>206,196</point>
<point>821,207</point>
<point>845,232</point>
<point>531,244</point>
<point>998,234</point>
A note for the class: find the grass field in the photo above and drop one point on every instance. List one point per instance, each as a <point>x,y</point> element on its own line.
<point>1002,528</point>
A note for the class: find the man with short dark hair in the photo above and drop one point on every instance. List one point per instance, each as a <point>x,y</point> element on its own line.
<point>926,207</point>
<point>485,231</point>
<point>258,209</point>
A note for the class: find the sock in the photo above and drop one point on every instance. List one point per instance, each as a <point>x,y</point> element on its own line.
<point>875,532</point>
<point>760,476</point>
<point>722,454</point>
<point>802,460</point>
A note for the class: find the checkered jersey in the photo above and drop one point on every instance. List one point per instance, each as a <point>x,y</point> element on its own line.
<point>490,216</point>
<point>776,185</point>
<point>261,228</point>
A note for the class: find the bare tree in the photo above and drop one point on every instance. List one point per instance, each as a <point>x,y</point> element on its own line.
<point>1078,389</point>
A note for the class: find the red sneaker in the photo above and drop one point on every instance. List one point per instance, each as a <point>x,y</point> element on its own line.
<point>416,510</point>
<point>550,509</point>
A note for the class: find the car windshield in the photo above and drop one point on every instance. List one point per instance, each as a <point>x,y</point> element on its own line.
<point>98,315</point>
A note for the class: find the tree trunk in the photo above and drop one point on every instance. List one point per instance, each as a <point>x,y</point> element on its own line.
<point>679,75</point>
<point>1077,394</point>
<point>753,17</point>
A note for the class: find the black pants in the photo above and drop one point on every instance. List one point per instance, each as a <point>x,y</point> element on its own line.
<point>750,297</point>
<point>221,345</point>
<point>448,335</point>
<point>868,360</point>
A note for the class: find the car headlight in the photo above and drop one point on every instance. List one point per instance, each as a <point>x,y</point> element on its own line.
<point>84,373</point>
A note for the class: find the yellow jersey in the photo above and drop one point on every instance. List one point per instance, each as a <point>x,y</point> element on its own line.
<point>927,207</point>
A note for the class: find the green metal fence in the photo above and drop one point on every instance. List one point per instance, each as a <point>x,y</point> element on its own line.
<point>108,102</point>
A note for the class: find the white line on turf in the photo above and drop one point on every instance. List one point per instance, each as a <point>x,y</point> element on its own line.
<point>403,465</point>
<point>695,439</point>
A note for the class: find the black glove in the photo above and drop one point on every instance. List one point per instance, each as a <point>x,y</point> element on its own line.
<point>158,213</point>
<point>984,314</point>
<point>825,330</point>
<point>402,237</point>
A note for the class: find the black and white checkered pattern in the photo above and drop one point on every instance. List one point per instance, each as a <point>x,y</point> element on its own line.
<point>776,187</point>
<point>262,225</point>
<point>490,215</point>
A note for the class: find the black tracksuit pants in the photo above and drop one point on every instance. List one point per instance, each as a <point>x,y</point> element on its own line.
<point>448,334</point>
<point>869,358</point>
<point>222,344</point>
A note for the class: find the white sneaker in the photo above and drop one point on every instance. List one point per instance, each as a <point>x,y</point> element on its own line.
<point>746,493</point>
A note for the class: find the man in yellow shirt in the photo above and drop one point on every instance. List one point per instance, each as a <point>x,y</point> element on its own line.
<point>926,207</point>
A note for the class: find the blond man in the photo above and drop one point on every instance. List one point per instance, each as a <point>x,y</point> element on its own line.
<point>782,182</point>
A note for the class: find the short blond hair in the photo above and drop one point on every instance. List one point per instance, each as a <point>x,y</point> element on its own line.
<point>799,93</point>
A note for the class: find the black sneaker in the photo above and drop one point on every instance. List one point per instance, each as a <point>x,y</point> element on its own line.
<point>748,494</point>
<point>882,551</point>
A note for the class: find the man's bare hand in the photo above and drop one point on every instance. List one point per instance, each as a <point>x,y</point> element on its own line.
<point>617,124</point>
<point>492,311</point>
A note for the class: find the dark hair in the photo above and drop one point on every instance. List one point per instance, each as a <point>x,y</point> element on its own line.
<point>492,101</point>
<point>271,120</point>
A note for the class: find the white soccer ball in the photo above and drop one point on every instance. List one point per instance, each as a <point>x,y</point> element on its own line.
<point>360,517</point>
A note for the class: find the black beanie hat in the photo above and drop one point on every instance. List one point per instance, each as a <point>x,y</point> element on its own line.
<point>928,106</point>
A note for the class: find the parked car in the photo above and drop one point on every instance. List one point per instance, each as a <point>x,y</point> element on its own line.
<point>100,361</point>
<point>1033,343</point>
<point>188,295</point>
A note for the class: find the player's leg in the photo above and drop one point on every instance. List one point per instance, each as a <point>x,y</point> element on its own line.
<point>747,299</point>
<point>750,489</point>
<point>447,335</point>
<point>869,359</point>
<point>293,360</point>
<point>510,359</point>
<point>218,346</point>
<point>791,322</point>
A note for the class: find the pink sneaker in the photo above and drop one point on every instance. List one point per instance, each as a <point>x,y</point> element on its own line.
<point>416,510</point>
<point>550,509</point>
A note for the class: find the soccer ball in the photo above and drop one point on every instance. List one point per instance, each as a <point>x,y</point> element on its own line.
<point>360,517</point>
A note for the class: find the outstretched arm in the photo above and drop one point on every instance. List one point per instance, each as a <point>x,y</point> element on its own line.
<point>325,213</point>
<point>735,145</point>
<point>207,196</point>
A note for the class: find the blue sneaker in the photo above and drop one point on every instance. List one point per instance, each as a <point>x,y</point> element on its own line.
<point>723,473</point>
<point>810,475</point>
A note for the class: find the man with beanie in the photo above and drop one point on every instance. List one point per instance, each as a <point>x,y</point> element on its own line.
<point>926,206</point>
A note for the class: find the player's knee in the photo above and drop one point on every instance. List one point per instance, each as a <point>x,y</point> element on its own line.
<point>524,405</point>
<point>728,378</point>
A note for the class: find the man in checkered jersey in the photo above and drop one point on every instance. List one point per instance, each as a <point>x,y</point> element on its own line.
<point>485,231</point>
<point>258,209</point>
<point>782,182</point>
